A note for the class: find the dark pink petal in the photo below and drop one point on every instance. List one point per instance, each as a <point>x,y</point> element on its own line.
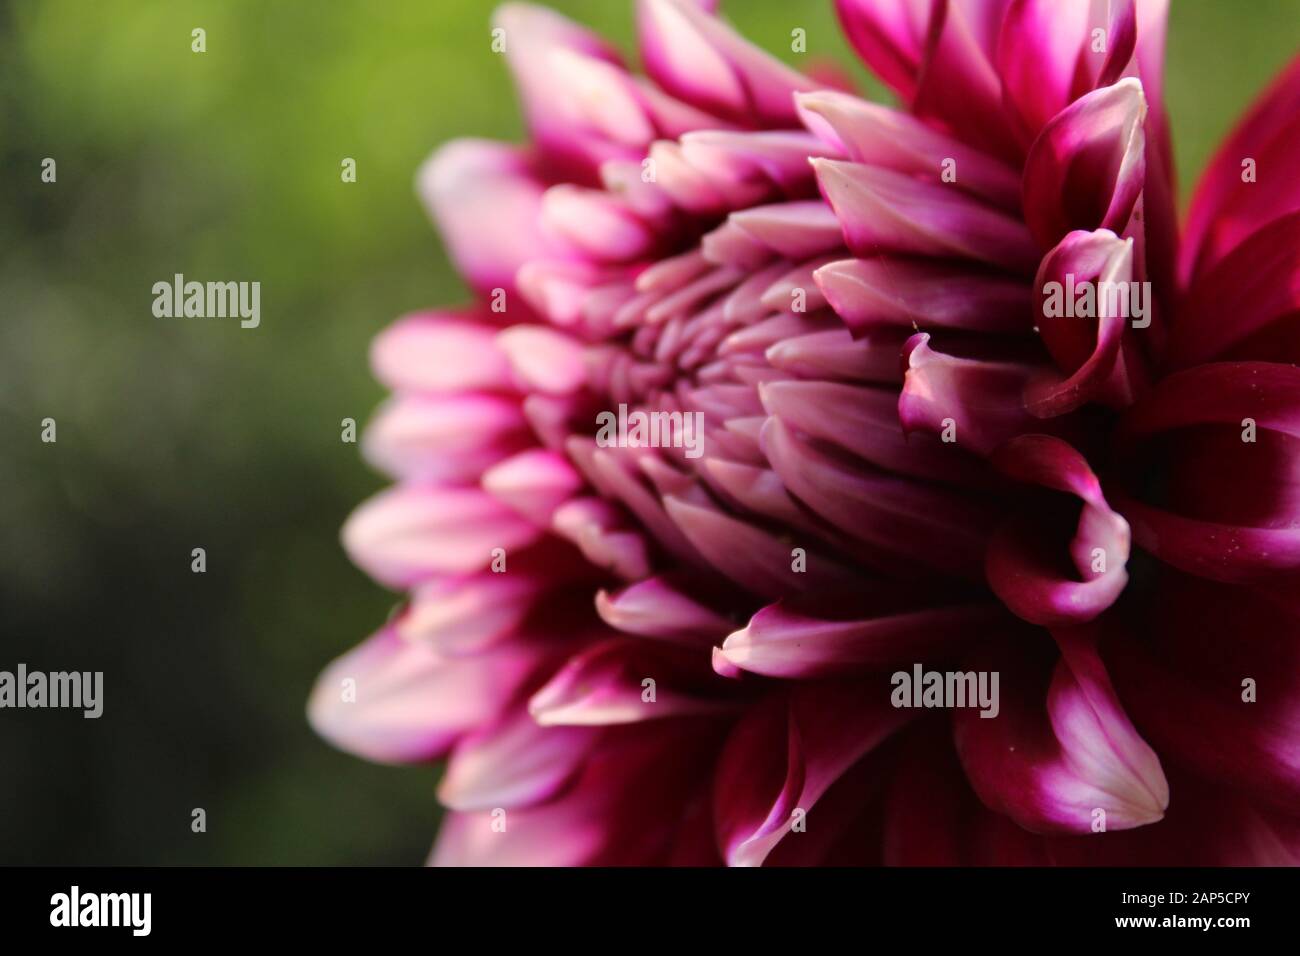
<point>1183,671</point>
<point>656,607</point>
<point>928,525</point>
<point>784,754</point>
<point>799,640</point>
<point>607,684</point>
<point>919,294</point>
<point>397,701</point>
<point>513,763</point>
<point>752,557</point>
<point>1087,349</point>
<point>864,421</point>
<point>1024,565</point>
<point>882,211</point>
<point>1257,283</point>
<point>1225,210</point>
<point>879,136</point>
<point>1218,399</point>
<point>890,35</point>
<point>635,802</point>
<point>701,60</point>
<point>979,403</point>
<point>1061,747</point>
<point>959,84</point>
<point>1085,170</point>
<point>1038,54</point>
<point>466,615</point>
<point>412,532</point>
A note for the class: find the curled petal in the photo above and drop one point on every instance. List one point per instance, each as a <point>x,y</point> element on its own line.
<point>1087,347</point>
<point>1185,673</point>
<point>971,403</point>
<point>1022,568</point>
<point>1052,768</point>
<point>1085,170</point>
<point>784,754</point>
<point>1038,53</point>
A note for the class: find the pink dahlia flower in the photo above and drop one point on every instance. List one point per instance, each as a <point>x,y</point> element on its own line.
<point>922,447</point>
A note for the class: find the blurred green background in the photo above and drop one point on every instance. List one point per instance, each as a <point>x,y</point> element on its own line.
<point>176,434</point>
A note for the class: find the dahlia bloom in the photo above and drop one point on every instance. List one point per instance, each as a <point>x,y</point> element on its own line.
<point>632,654</point>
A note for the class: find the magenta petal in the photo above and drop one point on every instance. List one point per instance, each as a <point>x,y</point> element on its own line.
<point>397,701</point>
<point>1258,284</point>
<point>1087,350</point>
<point>534,482</point>
<point>412,532</point>
<point>700,59</point>
<point>1038,53</point>
<point>879,136</point>
<point>1023,566</point>
<point>514,763</point>
<point>607,684</point>
<point>890,35</point>
<point>784,755</point>
<point>928,525</point>
<point>783,640</point>
<point>1225,209</point>
<point>1052,768</point>
<point>980,404</point>
<point>1085,170</point>
<point>656,607</point>
<point>466,615</point>
<point>443,438</point>
<point>439,352</point>
<point>882,211</point>
<point>1219,399</point>
<point>919,294</point>
<point>1184,673</point>
<point>485,198</point>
